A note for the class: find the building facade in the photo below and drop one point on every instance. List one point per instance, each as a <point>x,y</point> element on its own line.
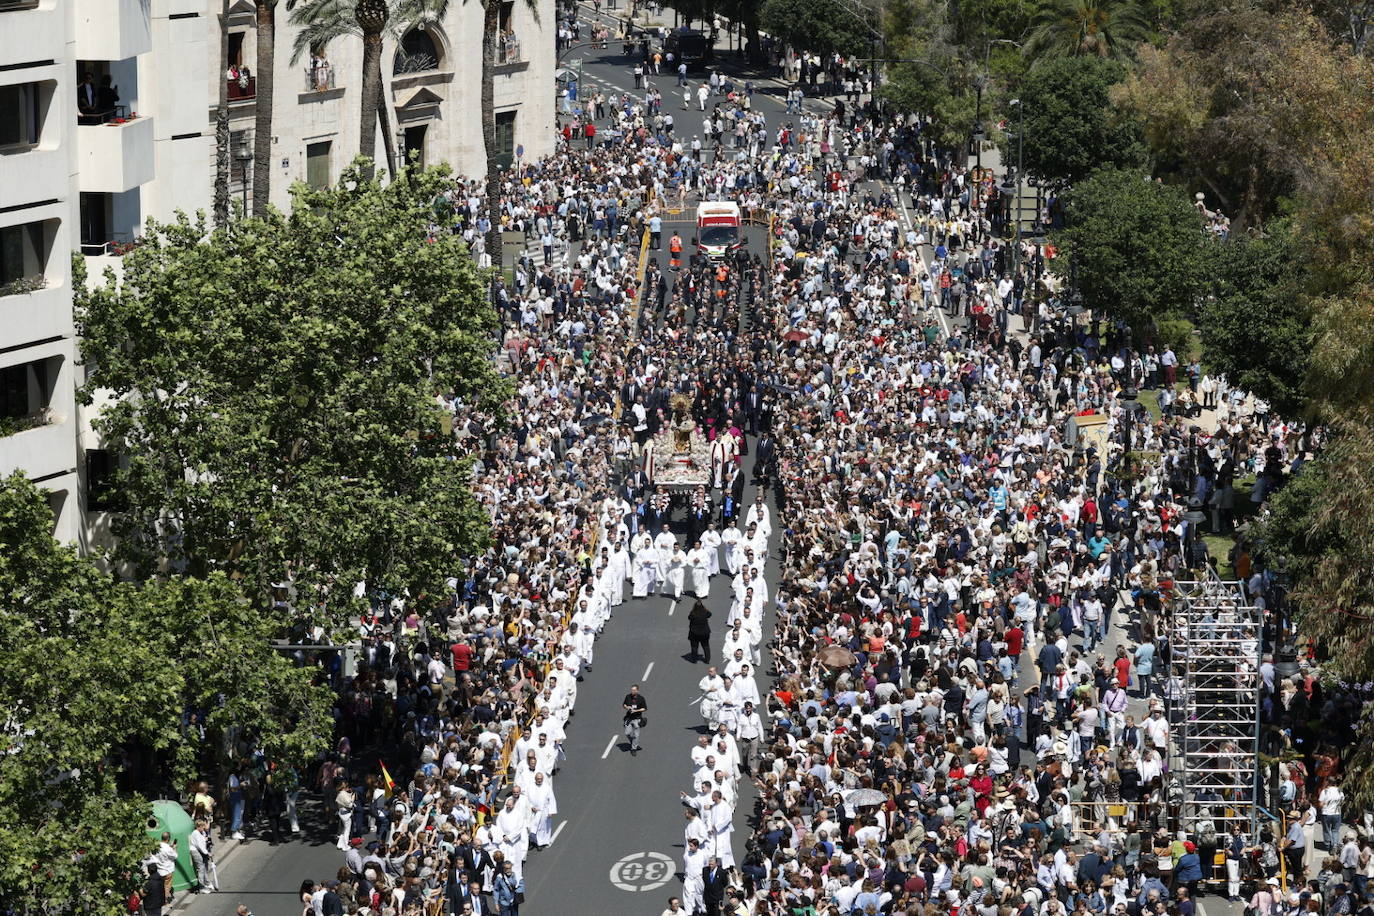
<point>431,76</point>
<point>107,118</point>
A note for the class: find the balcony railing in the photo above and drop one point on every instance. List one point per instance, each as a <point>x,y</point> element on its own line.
<point>119,245</point>
<point>120,114</point>
<point>508,50</point>
<point>243,89</point>
<point>319,78</point>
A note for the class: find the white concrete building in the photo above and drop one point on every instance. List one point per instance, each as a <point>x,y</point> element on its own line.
<point>431,78</point>
<point>84,163</point>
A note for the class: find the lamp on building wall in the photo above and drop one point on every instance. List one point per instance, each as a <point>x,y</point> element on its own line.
<point>243,155</point>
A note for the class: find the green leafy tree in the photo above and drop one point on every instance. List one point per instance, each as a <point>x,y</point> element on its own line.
<point>89,666</point>
<point>1318,533</point>
<point>1071,128</point>
<point>274,389</point>
<point>1087,28</point>
<point>933,79</point>
<point>821,26</point>
<point>77,681</point>
<point>1137,244</point>
<point>1257,325</point>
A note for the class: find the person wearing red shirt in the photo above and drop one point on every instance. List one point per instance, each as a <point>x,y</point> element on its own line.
<point>1015,642</point>
<point>462,657</point>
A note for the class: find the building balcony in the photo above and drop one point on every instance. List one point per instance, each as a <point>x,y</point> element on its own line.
<point>30,30</point>
<point>32,172</point>
<point>241,90</point>
<point>509,50</point>
<point>112,29</point>
<point>319,78</point>
<point>40,314</point>
<point>44,446</point>
<point>115,157</point>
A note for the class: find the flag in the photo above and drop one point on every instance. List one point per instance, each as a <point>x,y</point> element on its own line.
<point>386,778</point>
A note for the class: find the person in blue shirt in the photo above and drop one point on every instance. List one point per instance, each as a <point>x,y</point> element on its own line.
<point>1098,543</point>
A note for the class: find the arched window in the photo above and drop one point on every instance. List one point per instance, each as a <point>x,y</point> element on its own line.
<point>418,52</point>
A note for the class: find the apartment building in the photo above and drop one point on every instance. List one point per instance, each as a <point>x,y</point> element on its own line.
<point>107,111</point>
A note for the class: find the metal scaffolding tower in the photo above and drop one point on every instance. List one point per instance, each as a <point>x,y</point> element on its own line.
<point>1215,714</point>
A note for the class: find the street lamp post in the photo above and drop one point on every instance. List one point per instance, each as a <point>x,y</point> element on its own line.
<point>979,82</point>
<point>1129,399</point>
<point>243,154</point>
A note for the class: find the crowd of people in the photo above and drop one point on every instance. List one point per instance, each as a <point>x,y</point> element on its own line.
<point>971,664</point>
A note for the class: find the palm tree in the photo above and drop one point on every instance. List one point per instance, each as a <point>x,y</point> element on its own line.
<point>1089,28</point>
<point>323,21</point>
<point>266,11</point>
<point>491,36</point>
<point>221,200</point>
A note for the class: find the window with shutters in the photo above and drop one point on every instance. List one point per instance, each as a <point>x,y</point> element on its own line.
<point>317,164</point>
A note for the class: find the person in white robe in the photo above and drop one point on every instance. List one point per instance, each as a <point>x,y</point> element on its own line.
<point>646,572</point>
<point>719,460</point>
<point>730,538</point>
<point>524,776</point>
<point>700,565</point>
<point>745,688</point>
<point>710,542</point>
<point>750,622</point>
<point>694,861</point>
<point>721,822</point>
<point>620,571</point>
<point>726,714</point>
<point>677,571</point>
<point>735,639</point>
<point>543,806</point>
<point>512,832</point>
<point>711,686</point>
<point>760,515</point>
<point>666,544</point>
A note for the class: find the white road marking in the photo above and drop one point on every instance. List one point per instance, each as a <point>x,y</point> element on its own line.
<point>672,607</point>
<point>607,752</point>
<point>556,831</point>
<point>642,871</point>
<point>646,671</point>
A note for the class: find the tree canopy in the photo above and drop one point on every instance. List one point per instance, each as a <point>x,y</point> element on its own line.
<point>92,669</point>
<point>821,26</point>
<point>274,390</point>
<point>1070,127</point>
<point>1137,245</point>
<point>1257,325</point>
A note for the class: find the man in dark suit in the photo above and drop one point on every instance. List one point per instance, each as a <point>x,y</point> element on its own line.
<point>476,903</point>
<point>629,391</point>
<point>764,456</point>
<point>713,876</point>
<point>753,406</point>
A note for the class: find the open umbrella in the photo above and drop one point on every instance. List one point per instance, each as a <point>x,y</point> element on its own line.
<point>837,657</point>
<point>864,798</point>
<point>796,335</point>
